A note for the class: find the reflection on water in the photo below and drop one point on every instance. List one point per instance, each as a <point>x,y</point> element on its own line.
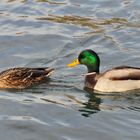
<point>40,33</point>
<point>84,21</point>
<point>98,103</point>
<point>92,106</point>
<point>22,1</point>
<point>51,2</point>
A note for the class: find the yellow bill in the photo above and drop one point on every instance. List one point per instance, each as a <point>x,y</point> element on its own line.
<point>74,63</point>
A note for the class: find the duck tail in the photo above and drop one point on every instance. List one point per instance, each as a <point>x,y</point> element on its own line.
<point>48,71</point>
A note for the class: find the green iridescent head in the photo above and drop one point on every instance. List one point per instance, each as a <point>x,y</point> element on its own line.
<point>88,58</point>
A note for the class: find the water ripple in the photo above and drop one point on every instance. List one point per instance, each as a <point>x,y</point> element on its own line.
<point>40,33</point>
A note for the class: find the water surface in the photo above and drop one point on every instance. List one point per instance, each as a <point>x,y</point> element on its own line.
<point>38,33</point>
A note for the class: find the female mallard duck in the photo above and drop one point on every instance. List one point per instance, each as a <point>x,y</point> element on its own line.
<point>118,79</point>
<point>19,78</point>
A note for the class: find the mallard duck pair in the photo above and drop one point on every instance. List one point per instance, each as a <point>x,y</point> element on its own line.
<point>119,79</point>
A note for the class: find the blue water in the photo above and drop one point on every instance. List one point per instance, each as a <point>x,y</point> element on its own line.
<point>37,33</point>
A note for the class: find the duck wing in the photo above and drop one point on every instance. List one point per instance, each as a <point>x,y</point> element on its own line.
<point>123,73</point>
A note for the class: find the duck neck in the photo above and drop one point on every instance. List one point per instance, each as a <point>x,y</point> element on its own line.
<point>93,69</point>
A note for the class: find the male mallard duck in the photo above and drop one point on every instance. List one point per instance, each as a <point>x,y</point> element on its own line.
<point>19,78</point>
<point>118,79</point>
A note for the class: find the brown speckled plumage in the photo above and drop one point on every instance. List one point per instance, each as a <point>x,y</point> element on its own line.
<point>20,78</point>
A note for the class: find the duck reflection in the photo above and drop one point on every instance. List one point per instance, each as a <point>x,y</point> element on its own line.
<point>112,102</point>
<point>92,106</point>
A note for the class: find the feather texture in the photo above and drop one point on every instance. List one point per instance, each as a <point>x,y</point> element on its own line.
<point>23,77</point>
